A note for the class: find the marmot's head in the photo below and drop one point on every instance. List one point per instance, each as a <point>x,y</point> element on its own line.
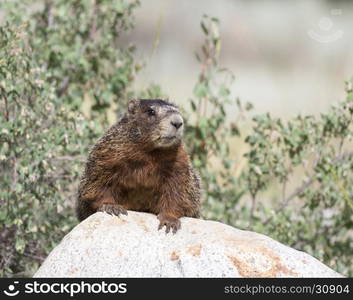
<point>157,122</point>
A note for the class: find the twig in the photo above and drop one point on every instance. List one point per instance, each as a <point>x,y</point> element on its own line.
<point>49,13</point>
<point>40,258</point>
<point>14,174</point>
<point>303,187</point>
<point>296,192</point>
<point>284,188</point>
<point>341,145</point>
<point>63,86</point>
<point>252,210</point>
<point>6,107</point>
<point>67,157</point>
<point>93,28</point>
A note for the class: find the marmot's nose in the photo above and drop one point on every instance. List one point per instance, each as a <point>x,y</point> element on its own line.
<point>176,124</point>
<point>176,121</point>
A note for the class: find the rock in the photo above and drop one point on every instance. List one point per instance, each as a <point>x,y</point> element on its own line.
<point>131,246</point>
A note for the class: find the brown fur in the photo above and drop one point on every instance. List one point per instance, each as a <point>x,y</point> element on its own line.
<point>127,171</point>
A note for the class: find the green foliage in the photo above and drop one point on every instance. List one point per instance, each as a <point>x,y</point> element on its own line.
<point>38,140</point>
<point>58,59</point>
<point>306,162</point>
<point>77,43</point>
<point>208,135</point>
<point>317,214</point>
<point>63,70</point>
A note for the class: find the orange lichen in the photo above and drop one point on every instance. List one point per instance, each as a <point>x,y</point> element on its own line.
<point>174,255</point>
<point>276,266</point>
<point>195,250</point>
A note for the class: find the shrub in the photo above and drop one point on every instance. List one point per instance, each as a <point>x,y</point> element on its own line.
<point>64,72</point>
<point>313,213</point>
<point>58,59</point>
<point>77,43</point>
<point>38,143</point>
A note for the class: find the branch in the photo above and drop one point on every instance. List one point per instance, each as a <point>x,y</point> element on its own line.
<point>14,174</point>
<point>63,86</point>
<point>252,210</point>
<point>67,157</point>
<point>49,13</point>
<point>91,37</point>
<point>36,257</point>
<point>7,114</point>
<point>93,29</point>
<point>304,186</point>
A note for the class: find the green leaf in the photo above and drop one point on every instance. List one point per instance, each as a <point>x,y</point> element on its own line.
<point>20,245</point>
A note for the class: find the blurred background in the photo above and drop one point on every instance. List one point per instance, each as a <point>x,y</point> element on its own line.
<point>288,56</point>
<point>241,72</point>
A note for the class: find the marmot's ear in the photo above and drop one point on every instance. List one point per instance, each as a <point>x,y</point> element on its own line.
<point>131,107</point>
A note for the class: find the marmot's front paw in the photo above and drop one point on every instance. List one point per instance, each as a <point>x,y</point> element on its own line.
<point>112,209</point>
<point>169,223</point>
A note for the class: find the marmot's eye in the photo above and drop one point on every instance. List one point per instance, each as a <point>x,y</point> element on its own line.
<point>151,112</point>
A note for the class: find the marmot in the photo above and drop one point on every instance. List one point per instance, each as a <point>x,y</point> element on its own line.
<point>141,164</point>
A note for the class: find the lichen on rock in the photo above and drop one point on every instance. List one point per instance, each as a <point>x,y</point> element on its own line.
<point>131,246</point>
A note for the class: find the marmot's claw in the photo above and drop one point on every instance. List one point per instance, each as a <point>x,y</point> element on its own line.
<point>169,223</point>
<point>112,209</point>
